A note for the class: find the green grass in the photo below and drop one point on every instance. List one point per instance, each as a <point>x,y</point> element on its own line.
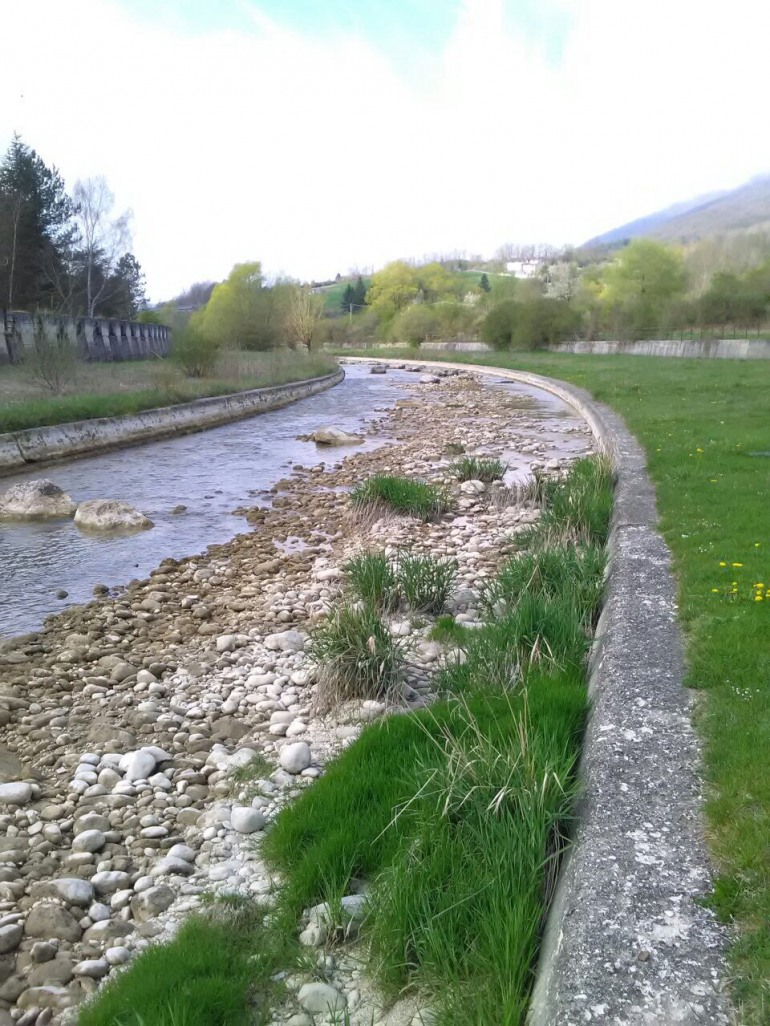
<point>114,389</point>
<point>474,468</point>
<point>699,421</point>
<point>371,579</point>
<point>425,582</point>
<point>449,632</point>
<point>403,495</point>
<point>216,972</point>
<point>357,657</point>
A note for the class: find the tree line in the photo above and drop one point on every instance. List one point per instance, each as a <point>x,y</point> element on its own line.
<point>59,252</point>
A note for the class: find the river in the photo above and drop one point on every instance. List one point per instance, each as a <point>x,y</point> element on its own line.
<point>211,473</point>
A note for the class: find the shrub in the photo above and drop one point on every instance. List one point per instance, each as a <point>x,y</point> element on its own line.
<point>428,502</point>
<point>471,468</point>
<point>357,657</point>
<point>425,582</point>
<point>416,324</point>
<point>372,580</point>
<point>497,327</point>
<point>194,352</point>
<point>52,361</point>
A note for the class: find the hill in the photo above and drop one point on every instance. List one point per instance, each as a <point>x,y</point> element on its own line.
<point>739,209</point>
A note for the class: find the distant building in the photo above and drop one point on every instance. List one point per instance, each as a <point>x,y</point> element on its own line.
<point>523,268</point>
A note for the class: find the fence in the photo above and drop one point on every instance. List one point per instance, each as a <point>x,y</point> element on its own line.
<point>94,338</point>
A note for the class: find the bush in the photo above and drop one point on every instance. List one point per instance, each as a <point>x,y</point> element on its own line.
<point>471,468</point>
<point>403,495</point>
<point>52,362</point>
<point>194,352</point>
<point>416,324</point>
<point>425,582</point>
<point>357,657</point>
<point>497,327</point>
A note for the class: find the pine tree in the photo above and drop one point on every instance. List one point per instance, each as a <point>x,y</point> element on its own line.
<point>348,298</point>
<point>359,292</point>
<point>35,229</point>
<point>484,283</point>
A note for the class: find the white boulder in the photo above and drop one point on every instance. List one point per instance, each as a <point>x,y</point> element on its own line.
<point>34,499</point>
<point>110,515</point>
<point>295,758</point>
<point>335,436</point>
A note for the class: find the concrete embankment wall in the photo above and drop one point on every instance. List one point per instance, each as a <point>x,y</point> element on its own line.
<point>628,940</point>
<point>724,349</point>
<point>62,441</point>
<point>716,349</point>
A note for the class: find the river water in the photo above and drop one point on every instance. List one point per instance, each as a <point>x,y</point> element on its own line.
<point>211,473</point>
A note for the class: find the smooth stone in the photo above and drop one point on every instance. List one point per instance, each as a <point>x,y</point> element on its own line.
<point>15,793</point>
<point>320,997</point>
<point>10,937</point>
<point>52,922</point>
<point>93,967</point>
<point>246,820</point>
<point>295,757</point>
<point>89,840</point>
<point>72,889</point>
<point>150,903</point>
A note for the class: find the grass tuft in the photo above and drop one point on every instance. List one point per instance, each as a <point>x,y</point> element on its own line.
<point>416,498</point>
<point>425,582</point>
<point>357,657</point>
<point>372,580</point>
<point>473,468</point>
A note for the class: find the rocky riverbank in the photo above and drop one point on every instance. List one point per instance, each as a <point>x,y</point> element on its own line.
<point>149,738</point>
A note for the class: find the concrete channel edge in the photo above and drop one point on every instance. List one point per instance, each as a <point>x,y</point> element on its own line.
<point>628,941</point>
<point>45,445</point>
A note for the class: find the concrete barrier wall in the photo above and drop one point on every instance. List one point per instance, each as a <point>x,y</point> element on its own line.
<point>93,338</point>
<point>62,441</point>
<point>717,349</point>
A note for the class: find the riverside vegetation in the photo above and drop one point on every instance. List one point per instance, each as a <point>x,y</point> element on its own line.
<point>112,389</point>
<point>703,425</point>
<point>171,760</point>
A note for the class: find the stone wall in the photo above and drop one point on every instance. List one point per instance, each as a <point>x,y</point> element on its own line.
<point>716,349</point>
<point>95,338</point>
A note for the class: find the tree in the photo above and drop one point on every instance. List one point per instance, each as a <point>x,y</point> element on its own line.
<point>348,298</point>
<point>127,288</point>
<point>392,289</point>
<point>484,283</point>
<point>35,228</point>
<point>639,284</point>
<point>303,315</point>
<point>416,324</point>
<point>102,239</point>
<point>244,313</point>
<point>359,292</point>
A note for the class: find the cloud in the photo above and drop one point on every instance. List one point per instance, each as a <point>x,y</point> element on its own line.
<point>315,154</point>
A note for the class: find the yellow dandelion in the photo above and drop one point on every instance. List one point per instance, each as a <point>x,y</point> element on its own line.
<point>737,564</point>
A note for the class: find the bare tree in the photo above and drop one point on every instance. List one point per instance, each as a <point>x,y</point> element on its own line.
<point>103,240</point>
<point>303,315</point>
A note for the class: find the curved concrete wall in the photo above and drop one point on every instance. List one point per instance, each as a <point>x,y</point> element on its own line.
<point>61,441</point>
<point>628,940</point>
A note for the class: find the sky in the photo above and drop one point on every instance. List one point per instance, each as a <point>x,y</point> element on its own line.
<point>323,136</point>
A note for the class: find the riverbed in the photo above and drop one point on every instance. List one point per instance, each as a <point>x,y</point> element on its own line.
<point>210,474</point>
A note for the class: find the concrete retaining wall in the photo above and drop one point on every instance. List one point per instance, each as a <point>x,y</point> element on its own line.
<point>93,338</point>
<point>717,349</point>
<point>627,940</point>
<point>62,441</point>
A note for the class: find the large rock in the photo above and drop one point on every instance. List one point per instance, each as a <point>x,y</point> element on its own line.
<point>52,922</point>
<point>15,793</point>
<point>71,889</point>
<point>335,436</point>
<point>321,998</point>
<point>110,515</point>
<point>10,766</point>
<point>151,903</point>
<point>32,500</point>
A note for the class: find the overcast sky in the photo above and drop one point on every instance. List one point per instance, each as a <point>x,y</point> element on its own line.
<point>323,135</point>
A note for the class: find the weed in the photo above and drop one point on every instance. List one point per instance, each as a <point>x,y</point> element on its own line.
<point>473,468</point>
<point>427,502</point>
<point>372,580</point>
<point>424,581</point>
<point>357,657</point>
<point>448,631</point>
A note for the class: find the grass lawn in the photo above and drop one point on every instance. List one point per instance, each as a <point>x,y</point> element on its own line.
<point>705,426</point>
<point>111,389</point>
